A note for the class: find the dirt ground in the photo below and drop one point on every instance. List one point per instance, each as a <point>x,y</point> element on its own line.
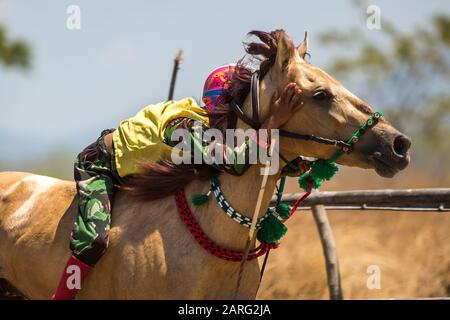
<point>412,250</point>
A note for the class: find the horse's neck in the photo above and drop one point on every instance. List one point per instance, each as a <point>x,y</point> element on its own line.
<point>244,190</point>
<point>242,193</point>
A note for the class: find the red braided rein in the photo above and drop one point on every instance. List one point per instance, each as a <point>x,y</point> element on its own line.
<point>207,243</point>
<point>300,200</point>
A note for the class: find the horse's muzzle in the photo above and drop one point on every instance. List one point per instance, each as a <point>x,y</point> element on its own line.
<point>393,156</point>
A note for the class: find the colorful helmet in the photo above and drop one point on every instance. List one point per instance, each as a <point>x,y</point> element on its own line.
<point>215,84</point>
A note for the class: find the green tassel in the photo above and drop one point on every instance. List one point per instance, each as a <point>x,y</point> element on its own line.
<point>271,230</point>
<point>323,169</point>
<point>302,181</point>
<point>320,170</point>
<point>200,199</point>
<point>283,210</point>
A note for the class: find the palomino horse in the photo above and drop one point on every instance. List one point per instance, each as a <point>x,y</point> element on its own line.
<point>151,253</point>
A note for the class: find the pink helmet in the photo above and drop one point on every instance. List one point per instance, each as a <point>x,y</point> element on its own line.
<point>218,81</point>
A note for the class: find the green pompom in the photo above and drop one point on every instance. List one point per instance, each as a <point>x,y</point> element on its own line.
<point>323,169</point>
<point>271,230</point>
<point>283,210</point>
<point>303,181</point>
<point>199,199</point>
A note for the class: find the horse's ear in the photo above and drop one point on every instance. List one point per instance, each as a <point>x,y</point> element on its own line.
<point>285,51</point>
<point>302,49</point>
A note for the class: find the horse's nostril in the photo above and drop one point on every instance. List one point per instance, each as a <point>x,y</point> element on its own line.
<point>401,145</point>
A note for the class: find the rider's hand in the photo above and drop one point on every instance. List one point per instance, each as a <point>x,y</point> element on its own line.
<point>282,106</point>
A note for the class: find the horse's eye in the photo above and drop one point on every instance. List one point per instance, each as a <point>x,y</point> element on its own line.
<point>321,95</point>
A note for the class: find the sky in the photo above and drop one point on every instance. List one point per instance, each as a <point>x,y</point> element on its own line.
<point>85,80</point>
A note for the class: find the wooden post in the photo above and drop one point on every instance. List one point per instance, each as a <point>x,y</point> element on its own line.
<point>329,251</point>
<point>176,66</point>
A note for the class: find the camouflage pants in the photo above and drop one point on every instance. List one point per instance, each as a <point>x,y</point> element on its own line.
<point>96,177</point>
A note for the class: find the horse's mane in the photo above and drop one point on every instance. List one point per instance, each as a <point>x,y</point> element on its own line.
<point>158,180</point>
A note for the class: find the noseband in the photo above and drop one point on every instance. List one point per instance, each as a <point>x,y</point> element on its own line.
<point>255,123</point>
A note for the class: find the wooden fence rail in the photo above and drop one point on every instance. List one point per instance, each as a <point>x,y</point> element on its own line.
<point>390,199</point>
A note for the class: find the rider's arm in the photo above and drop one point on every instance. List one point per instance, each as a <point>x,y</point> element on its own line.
<point>196,131</point>
<point>281,107</point>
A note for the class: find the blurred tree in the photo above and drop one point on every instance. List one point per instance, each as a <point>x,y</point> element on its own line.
<point>407,74</point>
<point>14,53</point>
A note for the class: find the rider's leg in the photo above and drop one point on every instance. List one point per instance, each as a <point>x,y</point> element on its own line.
<point>95,186</point>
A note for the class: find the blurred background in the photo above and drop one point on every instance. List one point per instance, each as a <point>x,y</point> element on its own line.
<point>59,87</point>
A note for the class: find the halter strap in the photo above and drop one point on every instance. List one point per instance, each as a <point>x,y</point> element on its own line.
<point>241,115</point>
<point>254,86</point>
<point>311,137</point>
<point>255,123</point>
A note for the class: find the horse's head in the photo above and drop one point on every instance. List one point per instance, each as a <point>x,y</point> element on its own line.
<point>328,110</point>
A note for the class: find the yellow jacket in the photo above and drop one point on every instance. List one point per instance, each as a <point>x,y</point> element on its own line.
<point>141,137</point>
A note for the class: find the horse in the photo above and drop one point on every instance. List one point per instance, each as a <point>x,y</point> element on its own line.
<point>152,255</point>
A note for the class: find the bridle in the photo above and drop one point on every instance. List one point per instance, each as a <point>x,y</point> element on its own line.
<point>255,122</point>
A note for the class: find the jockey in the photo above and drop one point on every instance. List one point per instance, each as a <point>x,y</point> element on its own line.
<point>101,166</point>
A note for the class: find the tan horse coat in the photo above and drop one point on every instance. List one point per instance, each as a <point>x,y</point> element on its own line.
<point>151,253</point>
